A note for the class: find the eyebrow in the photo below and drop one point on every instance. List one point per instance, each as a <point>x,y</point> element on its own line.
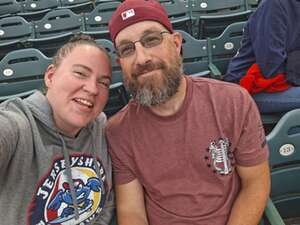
<point>83,66</point>
<point>102,76</point>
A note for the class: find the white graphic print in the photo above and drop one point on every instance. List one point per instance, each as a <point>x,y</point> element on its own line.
<point>219,151</point>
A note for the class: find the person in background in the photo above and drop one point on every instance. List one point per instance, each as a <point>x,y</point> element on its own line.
<point>54,165</point>
<point>267,63</point>
<point>184,150</point>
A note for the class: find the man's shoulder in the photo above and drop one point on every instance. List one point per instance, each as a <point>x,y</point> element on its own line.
<point>121,118</point>
<point>219,86</point>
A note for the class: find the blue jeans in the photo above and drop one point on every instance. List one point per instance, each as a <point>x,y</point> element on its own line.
<point>278,102</point>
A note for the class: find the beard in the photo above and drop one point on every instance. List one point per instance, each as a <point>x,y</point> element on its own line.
<point>157,88</point>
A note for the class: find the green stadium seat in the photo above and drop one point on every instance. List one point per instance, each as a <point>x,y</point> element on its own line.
<point>178,14</point>
<point>55,29</point>
<point>9,7</point>
<point>252,4</point>
<point>221,49</point>
<point>213,16</point>
<point>118,98</point>
<point>96,22</point>
<point>21,72</point>
<point>36,9</point>
<point>194,55</point>
<point>284,144</point>
<point>78,6</point>
<point>14,28</point>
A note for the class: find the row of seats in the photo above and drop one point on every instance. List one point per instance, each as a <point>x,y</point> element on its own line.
<point>35,9</point>
<point>200,18</point>
<point>209,56</point>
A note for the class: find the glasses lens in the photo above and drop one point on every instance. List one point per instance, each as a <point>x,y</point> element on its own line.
<point>126,49</point>
<point>152,39</point>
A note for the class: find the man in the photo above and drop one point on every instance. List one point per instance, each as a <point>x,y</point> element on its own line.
<point>267,64</point>
<point>54,166</point>
<point>184,150</point>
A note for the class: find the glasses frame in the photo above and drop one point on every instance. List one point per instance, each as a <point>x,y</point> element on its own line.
<point>143,43</point>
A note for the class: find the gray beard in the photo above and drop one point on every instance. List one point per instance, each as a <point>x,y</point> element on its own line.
<point>152,94</point>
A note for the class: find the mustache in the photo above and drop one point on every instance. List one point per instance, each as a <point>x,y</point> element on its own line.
<point>147,67</point>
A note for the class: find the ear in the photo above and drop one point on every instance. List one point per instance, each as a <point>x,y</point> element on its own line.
<point>48,78</point>
<point>177,41</point>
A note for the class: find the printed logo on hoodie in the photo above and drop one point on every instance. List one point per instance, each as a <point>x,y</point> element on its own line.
<point>53,203</point>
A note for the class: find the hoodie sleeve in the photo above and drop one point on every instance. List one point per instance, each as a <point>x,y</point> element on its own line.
<point>9,136</point>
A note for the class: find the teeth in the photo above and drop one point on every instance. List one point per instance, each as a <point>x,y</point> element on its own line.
<point>84,102</point>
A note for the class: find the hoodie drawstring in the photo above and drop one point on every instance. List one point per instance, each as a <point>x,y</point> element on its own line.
<point>69,177</point>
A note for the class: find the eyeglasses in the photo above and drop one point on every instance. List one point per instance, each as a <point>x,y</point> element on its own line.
<point>149,40</point>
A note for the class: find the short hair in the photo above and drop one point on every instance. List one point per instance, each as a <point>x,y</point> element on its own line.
<point>75,41</point>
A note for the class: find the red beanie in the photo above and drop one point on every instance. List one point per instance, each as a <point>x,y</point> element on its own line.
<point>133,11</point>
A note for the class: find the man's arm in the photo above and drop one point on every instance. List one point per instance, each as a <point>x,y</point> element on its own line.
<point>130,204</point>
<point>252,198</point>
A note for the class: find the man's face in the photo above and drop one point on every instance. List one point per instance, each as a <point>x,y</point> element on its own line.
<point>78,88</point>
<point>152,74</point>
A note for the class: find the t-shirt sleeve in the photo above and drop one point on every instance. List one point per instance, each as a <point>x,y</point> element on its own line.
<point>122,160</point>
<point>252,148</point>
<point>268,32</point>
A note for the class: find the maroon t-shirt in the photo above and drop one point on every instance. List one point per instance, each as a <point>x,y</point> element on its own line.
<point>187,162</point>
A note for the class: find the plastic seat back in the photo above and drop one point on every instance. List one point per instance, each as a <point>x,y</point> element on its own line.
<point>222,48</point>
<point>22,71</point>
<point>14,28</point>
<point>58,22</point>
<point>39,5</point>
<point>211,17</point>
<point>118,98</point>
<point>178,14</point>
<point>194,55</point>
<point>78,6</point>
<point>8,7</point>
<point>96,22</point>
<point>284,144</point>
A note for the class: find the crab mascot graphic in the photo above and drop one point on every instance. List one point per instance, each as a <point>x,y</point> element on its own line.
<point>53,202</point>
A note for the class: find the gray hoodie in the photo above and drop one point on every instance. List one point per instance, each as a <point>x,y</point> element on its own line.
<point>41,170</point>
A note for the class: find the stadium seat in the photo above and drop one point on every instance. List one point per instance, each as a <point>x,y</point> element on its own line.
<point>15,28</point>
<point>252,4</point>
<point>221,49</point>
<point>97,2</point>
<point>178,14</point>
<point>9,7</point>
<point>96,22</point>
<point>213,16</point>
<point>194,55</point>
<point>13,31</point>
<point>36,9</point>
<point>284,144</point>
<point>118,98</point>
<point>55,29</point>
<point>78,6</point>
<point>21,72</point>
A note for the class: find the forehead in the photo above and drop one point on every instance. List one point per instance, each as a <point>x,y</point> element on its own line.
<point>134,31</point>
<point>84,52</point>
